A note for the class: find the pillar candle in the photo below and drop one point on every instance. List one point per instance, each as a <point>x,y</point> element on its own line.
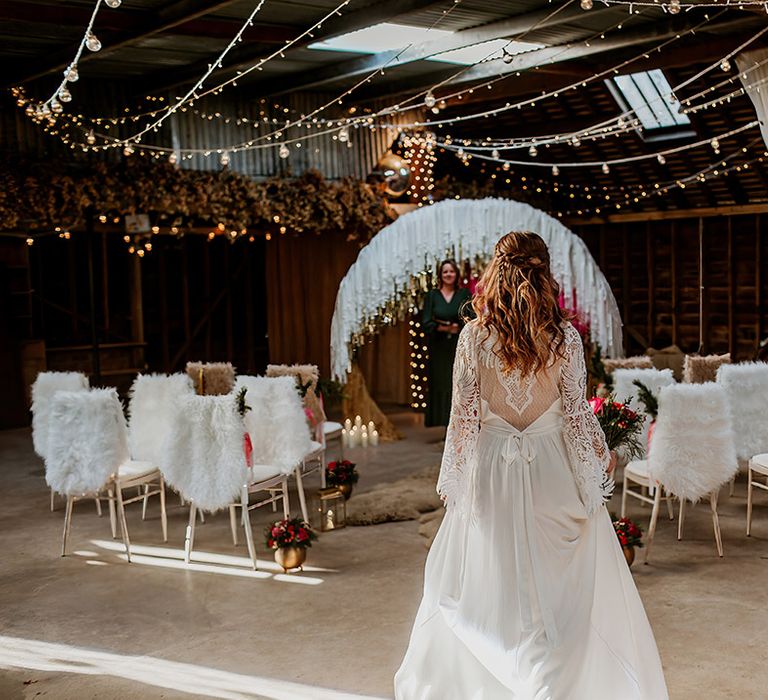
<point>375,438</point>
<point>348,424</point>
<point>358,421</point>
<point>344,438</point>
<point>371,427</point>
<point>364,439</point>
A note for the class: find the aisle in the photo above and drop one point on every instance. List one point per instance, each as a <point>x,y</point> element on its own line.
<point>342,626</point>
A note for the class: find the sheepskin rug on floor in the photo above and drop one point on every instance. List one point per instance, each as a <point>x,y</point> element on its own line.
<point>404,499</point>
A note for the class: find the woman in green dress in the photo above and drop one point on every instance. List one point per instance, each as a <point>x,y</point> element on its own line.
<point>442,319</point>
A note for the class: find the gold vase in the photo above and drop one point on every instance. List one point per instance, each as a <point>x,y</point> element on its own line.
<point>629,554</point>
<point>290,557</point>
<point>346,490</point>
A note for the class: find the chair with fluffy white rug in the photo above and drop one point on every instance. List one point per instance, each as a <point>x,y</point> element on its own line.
<point>693,453</point>
<point>153,400</point>
<point>277,425</point>
<point>204,460</point>
<point>746,385</point>
<point>43,390</point>
<point>88,456</point>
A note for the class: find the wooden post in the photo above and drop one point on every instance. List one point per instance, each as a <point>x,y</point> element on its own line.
<point>650,263</point>
<point>731,293</point>
<point>137,301</point>
<point>89,240</point>
<point>228,305</point>
<point>673,263</point>
<point>185,289</point>
<point>758,283</point>
<point>104,283</point>
<point>703,292</point>
<point>626,303</point>
<point>207,288</point>
<point>250,344</point>
<point>164,310</point>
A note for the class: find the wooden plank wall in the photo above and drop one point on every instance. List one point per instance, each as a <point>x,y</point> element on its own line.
<point>654,270</point>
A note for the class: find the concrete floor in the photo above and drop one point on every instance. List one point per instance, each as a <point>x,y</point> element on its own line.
<point>92,626</point>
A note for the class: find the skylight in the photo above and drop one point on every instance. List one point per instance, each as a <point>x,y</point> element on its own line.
<point>388,36</point>
<point>649,94</point>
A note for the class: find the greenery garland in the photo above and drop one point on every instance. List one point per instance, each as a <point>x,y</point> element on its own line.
<point>39,198</point>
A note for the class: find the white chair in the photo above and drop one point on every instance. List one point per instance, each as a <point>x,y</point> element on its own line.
<point>88,457</point>
<point>204,460</point>
<point>279,430</point>
<point>624,390</point>
<point>43,390</point>
<point>153,400</point>
<point>746,385</point>
<point>693,453</point>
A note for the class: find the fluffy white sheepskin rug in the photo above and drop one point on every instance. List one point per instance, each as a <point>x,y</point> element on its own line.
<point>87,440</point>
<point>693,451</point>
<point>45,386</point>
<point>203,457</point>
<point>152,403</point>
<point>746,385</point>
<point>276,422</point>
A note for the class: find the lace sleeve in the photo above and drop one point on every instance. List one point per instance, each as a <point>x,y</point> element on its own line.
<point>464,424</point>
<point>584,437</point>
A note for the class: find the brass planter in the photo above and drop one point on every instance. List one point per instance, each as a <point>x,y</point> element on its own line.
<point>291,557</point>
<point>346,490</point>
<point>629,554</point>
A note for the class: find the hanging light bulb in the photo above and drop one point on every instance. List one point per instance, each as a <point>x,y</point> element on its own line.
<point>460,153</point>
<point>576,141</point>
<point>128,150</point>
<point>674,7</point>
<point>114,4</point>
<point>507,57</point>
<point>65,95</point>
<point>586,4</point>
<point>71,75</point>
<point>435,110</point>
<point>45,110</point>
<point>283,152</point>
<point>620,122</point>
<point>506,166</point>
<point>661,159</point>
<point>343,135</point>
<point>90,138</point>
<point>606,168</point>
<point>533,151</point>
<point>715,145</point>
<point>56,107</point>
<point>555,170</point>
<point>495,154</point>
<point>429,100</point>
<point>92,42</point>
<point>29,111</point>
<point>725,65</point>
<point>224,159</point>
<point>173,158</point>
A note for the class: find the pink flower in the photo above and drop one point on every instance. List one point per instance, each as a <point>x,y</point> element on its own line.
<point>597,404</point>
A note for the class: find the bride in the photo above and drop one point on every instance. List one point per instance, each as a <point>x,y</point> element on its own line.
<point>527,595</point>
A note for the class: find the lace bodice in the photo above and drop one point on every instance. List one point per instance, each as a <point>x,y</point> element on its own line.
<point>480,384</point>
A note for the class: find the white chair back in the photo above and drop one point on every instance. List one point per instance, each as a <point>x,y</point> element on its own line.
<point>153,400</point>
<point>87,440</point>
<point>203,456</point>
<point>43,390</point>
<point>746,385</point>
<point>693,453</point>
<point>624,389</point>
<point>276,422</point>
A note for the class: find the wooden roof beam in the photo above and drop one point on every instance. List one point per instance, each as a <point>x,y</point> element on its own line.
<point>162,20</point>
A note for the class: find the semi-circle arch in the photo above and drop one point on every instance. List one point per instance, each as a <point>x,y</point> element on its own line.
<point>389,272</point>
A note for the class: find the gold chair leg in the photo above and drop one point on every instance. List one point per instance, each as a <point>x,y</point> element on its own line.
<point>67,523</point>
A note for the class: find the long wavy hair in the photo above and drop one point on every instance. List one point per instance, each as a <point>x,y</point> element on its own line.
<point>517,297</point>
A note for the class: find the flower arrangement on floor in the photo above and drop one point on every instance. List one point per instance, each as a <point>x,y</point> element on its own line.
<point>290,539</point>
<point>621,425</point>
<point>343,475</point>
<point>630,535</point>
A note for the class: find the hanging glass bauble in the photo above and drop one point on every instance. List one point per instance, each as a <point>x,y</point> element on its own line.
<point>65,95</point>
<point>114,4</point>
<point>429,100</point>
<point>284,152</point>
<point>674,7</point>
<point>71,75</point>
<point>92,42</point>
<point>586,4</point>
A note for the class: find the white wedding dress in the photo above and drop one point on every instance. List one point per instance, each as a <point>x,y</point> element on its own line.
<point>527,595</point>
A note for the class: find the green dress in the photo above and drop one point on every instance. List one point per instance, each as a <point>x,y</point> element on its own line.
<point>442,350</point>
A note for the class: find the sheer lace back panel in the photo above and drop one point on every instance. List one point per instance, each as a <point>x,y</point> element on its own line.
<point>518,397</point>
